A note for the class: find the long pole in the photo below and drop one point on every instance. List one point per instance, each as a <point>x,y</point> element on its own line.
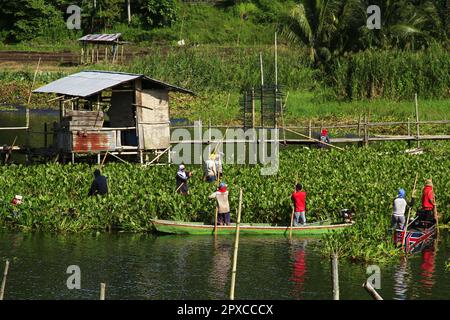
<point>312,139</point>
<point>409,211</point>
<point>417,119</point>
<point>216,212</point>
<point>292,214</point>
<point>262,88</point>
<point>129,11</point>
<point>5,275</point>
<point>335,275</point>
<point>29,96</point>
<point>276,65</point>
<point>236,247</point>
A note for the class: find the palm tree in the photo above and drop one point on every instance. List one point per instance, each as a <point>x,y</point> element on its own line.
<point>321,26</point>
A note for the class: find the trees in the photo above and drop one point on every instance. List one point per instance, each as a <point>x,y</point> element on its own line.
<point>331,28</point>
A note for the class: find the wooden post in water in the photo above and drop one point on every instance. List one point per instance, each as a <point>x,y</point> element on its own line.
<point>366,285</point>
<point>5,275</point>
<point>309,129</point>
<point>359,126</point>
<point>366,133</point>
<point>417,120</point>
<point>236,247</point>
<point>102,291</point>
<point>335,275</point>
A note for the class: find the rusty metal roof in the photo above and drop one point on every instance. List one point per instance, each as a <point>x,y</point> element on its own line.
<point>86,83</point>
<point>105,37</point>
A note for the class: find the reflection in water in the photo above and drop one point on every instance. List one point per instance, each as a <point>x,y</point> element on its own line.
<point>427,268</point>
<point>221,268</point>
<point>401,280</point>
<point>299,270</point>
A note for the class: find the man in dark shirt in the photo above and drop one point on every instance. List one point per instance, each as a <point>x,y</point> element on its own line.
<point>99,185</point>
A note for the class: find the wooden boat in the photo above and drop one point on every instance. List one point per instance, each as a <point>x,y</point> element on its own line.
<point>199,228</point>
<point>419,234</point>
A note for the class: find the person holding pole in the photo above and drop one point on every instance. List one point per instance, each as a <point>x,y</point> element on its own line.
<point>428,211</point>
<point>210,169</point>
<point>299,199</point>
<point>324,139</point>
<point>182,180</point>
<point>400,205</point>
<point>223,206</point>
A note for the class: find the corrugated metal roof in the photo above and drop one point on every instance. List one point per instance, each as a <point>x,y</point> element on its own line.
<point>86,83</point>
<point>113,37</point>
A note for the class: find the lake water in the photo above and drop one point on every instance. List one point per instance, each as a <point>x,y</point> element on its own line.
<point>199,267</point>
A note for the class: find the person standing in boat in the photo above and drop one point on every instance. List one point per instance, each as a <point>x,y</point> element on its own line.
<point>299,199</point>
<point>400,205</point>
<point>210,169</point>
<point>182,178</point>
<point>223,206</point>
<point>428,211</point>
<point>324,138</point>
<point>99,185</point>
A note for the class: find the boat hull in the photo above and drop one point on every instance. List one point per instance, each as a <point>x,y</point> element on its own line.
<point>187,228</point>
<point>415,239</point>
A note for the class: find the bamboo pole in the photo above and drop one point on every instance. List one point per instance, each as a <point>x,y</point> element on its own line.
<point>366,285</point>
<point>104,158</point>
<point>335,276</point>
<point>216,212</point>
<point>5,275</point>
<point>157,157</point>
<point>417,120</point>
<point>27,115</point>
<point>236,248</point>
<point>102,291</point>
<point>312,139</point>
<point>179,187</point>
<point>292,221</point>
<point>409,212</point>
<point>253,107</point>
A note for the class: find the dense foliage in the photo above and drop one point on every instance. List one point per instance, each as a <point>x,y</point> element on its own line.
<point>56,195</point>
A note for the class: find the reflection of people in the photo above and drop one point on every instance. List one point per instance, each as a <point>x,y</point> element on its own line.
<point>427,267</point>
<point>221,266</point>
<point>299,199</point>
<point>401,280</point>
<point>99,185</point>
<point>300,269</point>
<point>400,205</point>
<point>182,180</point>
<point>223,206</point>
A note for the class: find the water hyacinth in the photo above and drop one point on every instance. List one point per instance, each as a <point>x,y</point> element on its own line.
<point>55,196</point>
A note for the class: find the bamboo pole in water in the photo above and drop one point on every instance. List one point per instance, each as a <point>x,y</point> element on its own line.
<point>236,247</point>
<point>5,275</point>
<point>366,285</point>
<point>335,275</point>
<point>102,291</point>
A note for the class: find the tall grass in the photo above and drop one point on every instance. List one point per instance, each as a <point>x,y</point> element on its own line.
<point>392,74</point>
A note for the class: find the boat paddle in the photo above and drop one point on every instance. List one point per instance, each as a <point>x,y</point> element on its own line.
<point>409,212</point>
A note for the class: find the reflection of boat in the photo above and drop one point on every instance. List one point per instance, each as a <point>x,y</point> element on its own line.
<point>419,234</point>
<point>194,228</point>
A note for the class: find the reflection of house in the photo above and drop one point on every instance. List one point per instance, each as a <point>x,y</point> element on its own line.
<point>111,111</point>
<point>101,47</point>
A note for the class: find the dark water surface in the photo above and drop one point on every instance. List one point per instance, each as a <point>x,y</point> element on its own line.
<point>199,267</point>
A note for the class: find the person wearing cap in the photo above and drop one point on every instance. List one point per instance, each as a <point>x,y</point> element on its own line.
<point>324,138</point>
<point>99,185</point>
<point>223,206</point>
<point>182,180</point>
<point>210,169</point>
<point>400,205</point>
<point>299,199</point>
<point>428,211</point>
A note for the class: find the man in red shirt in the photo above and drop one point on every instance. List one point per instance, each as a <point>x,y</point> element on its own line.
<point>428,202</point>
<point>299,199</point>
